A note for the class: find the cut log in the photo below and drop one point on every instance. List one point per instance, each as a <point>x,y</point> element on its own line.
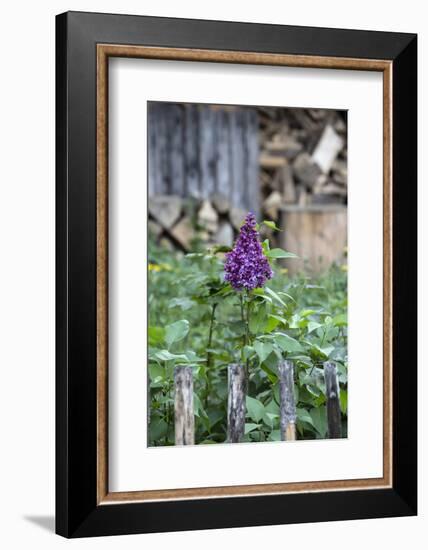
<point>271,161</point>
<point>183,233</point>
<point>327,149</point>
<point>208,217</point>
<point>183,406</point>
<point>220,203</point>
<point>272,204</point>
<point>287,146</point>
<point>165,209</point>
<point>288,185</point>
<point>306,170</point>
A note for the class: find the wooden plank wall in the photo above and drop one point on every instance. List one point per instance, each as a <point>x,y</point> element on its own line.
<point>197,150</point>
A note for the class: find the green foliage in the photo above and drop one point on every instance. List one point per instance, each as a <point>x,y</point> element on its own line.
<point>196,319</point>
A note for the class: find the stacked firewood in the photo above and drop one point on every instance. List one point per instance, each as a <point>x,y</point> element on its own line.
<point>176,222</point>
<point>302,162</point>
<point>303,157</point>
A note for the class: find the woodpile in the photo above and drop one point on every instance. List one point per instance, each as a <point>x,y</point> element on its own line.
<point>303,157</point>
<point>302,164</point>
<point>175,222</point>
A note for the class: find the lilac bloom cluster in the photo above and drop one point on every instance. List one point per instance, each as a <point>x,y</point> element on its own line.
<point>246,266</point>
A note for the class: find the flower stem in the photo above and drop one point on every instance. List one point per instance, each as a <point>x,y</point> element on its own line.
<point>209,354</point>
<point>247,329</point>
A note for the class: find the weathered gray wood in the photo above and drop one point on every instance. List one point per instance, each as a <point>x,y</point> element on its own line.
<point>191,148</point>
<point>236,403</point>
<point>162,153</point>
<point>251,165</point>
<point>332,389</point>
<point>207,151</point>
<point>238,177</point>
<point>223,154</point>
<point>183,406</point>
<point>198,150</point>
<point>152,182</point>
<point>287,401</point>
<point>175,129</point>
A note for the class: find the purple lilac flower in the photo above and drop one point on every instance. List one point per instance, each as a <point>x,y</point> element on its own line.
<point>246,266</point>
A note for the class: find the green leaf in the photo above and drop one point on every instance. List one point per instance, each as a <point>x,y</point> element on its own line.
<point>197,406</point>
<point>193,358</point>
<point>258,319</point>
<point>277,253</point>
<point>286,343</point>
<point>279,318</point>
<point>269,419</point>
<point>272,407</point>
<point>156,372</point>
<point>271,225</point>
<point>260,293</point>
<point>275,435</point>
<point>272,323</point>
<point>287,296</point>
<point>319,420</point>
<point>158,429</point>
<point>343,401</point>
<point>255,408</point>
<point>263,349</point>
<point>313,325</point>
<point>176,331</point>
<point>156,335</point>
<point>251,427</point>
<point>247,352</point>
<point>182,303</point>
<point>165,355</point>
<point>304,416</point>
<point>275,296</point>
<point>320,353</point>
<point>340,320</point>
<point>221,248</point>
<point>265,245</point>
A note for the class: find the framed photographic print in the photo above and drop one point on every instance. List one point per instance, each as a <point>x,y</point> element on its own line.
<point>236,274</point>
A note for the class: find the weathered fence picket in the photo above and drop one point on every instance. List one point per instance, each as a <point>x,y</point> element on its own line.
<point>287,401</point>
<point>183,406</point>
<point>236,403</point>
<point>334,422</point>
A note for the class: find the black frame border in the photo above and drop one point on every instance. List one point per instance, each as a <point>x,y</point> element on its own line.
<point>77,512</point>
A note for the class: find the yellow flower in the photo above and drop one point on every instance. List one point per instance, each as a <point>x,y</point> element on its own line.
<point>159,267</point>
<point>344,267</point>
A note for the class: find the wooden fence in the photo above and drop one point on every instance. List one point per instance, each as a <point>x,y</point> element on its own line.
<point>199,150</point>
<point>236,407</point>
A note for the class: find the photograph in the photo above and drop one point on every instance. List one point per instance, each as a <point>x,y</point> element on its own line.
<point>247,274</point>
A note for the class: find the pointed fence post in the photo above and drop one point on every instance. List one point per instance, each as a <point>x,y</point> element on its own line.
<point>236,403</point>
<point>334,422</point>
<point>183,406</point>
<point>287,401</point>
